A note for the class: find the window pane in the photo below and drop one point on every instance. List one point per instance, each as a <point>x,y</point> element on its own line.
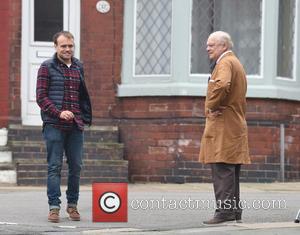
<point>153,37</point>
<point>286,34</point>
<point>241,19</point>
<point>48,19</point>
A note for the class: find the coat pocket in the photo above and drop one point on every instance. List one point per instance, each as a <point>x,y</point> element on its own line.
<point>210,128</point>
<point>210,88</point>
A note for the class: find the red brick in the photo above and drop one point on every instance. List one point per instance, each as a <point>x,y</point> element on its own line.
<point>153,129</point>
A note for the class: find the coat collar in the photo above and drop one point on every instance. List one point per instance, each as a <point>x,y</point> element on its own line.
<point>223,54</point>
<point>57,61</point>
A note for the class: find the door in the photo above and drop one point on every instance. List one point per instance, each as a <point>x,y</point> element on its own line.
<point>41,19</point>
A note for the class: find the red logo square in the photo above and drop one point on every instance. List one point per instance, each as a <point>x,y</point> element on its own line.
<point>110,202</point>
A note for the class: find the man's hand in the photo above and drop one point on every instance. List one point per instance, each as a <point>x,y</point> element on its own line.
<point>215,113</point>
<point>67,115</point>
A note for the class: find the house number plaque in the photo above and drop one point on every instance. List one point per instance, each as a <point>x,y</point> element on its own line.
<point>103,6</point>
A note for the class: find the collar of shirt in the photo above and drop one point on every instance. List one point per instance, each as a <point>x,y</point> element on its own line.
<point>222,55</point>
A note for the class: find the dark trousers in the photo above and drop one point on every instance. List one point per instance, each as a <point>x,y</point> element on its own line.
<point>226,181</point>
<point>59,142</point>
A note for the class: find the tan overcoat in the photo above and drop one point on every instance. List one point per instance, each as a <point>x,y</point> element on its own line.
<point>225,138</point>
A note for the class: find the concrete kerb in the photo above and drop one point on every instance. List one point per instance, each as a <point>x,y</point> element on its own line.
<point>258,228</point>
<point>201,187</point>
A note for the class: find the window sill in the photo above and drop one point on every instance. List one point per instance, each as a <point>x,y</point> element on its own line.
<point>194,89</point>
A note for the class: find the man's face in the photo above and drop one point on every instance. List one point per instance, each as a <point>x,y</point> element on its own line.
<point>64,49</point>
<point>215,48</point>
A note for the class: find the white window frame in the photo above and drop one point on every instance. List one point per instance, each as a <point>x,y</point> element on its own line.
<point>180,82</point>
<point>295,59</point>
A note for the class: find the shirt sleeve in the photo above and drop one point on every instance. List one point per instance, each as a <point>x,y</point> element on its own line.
<point>219,87</point>
<point>42,98</point>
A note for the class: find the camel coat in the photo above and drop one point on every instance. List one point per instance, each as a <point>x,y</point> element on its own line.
<point>225,137</point>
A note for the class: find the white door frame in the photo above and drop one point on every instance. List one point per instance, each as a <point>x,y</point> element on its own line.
<point>30,112</point>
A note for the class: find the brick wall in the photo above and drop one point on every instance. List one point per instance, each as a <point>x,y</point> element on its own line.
<point>15,61</point>
<point>101,45</point>
<point>4,62</point>
<point>162,143</point>
<point>161,134</point>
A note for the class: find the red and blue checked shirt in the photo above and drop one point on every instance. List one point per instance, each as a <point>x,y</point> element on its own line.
<point>70,99</point>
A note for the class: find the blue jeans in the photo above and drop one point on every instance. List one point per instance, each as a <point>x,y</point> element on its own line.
<point>58,142</point>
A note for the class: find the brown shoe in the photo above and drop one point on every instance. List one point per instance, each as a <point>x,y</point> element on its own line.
<point>217,220</point>
<point>73,213</point>
<point>53,215</point>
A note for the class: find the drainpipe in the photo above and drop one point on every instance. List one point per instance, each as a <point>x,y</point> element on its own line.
<point>282,157</point>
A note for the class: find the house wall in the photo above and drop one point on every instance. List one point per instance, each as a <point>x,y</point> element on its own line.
<point>4,62</point>
<point>162,139</point>
<point>12,81</point>
<point>161,134</point>
<point>101,50</point>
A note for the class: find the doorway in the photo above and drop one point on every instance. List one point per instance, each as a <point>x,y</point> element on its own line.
<point>41,19</point>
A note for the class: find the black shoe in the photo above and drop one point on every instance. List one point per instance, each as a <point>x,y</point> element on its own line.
<point>217,220</point>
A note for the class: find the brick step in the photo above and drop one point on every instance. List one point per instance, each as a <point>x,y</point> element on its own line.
<point>8,173</point>
<point>95,162</point>
<point>91,134</point>
<point>102,160</point>
<point>7,167</point>
<point>83,181</point>
<point>35,173</point>
<point>4,148</point>
<point>5,156</point>
<point>37,150</point>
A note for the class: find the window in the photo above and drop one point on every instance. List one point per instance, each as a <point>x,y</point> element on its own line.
<point>48,19</point>
<point>241,19</point>
<point>153,37</point>
<point>286,35</point>
<point>164,48</point>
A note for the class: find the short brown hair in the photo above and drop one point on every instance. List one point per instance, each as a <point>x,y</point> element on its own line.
<point>67,34</point>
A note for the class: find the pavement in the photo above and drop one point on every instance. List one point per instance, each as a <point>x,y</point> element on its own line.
<point>269,209</point>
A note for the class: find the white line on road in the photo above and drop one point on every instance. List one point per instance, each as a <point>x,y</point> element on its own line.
<point>66,226</point>
<point>7,223</point>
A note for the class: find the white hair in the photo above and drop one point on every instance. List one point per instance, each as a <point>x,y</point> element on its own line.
<point>223,37</point>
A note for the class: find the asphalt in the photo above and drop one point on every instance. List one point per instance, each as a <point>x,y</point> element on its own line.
<point>270,209</point>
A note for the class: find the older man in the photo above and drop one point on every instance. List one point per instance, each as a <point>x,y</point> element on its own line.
<point>224,143</point>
